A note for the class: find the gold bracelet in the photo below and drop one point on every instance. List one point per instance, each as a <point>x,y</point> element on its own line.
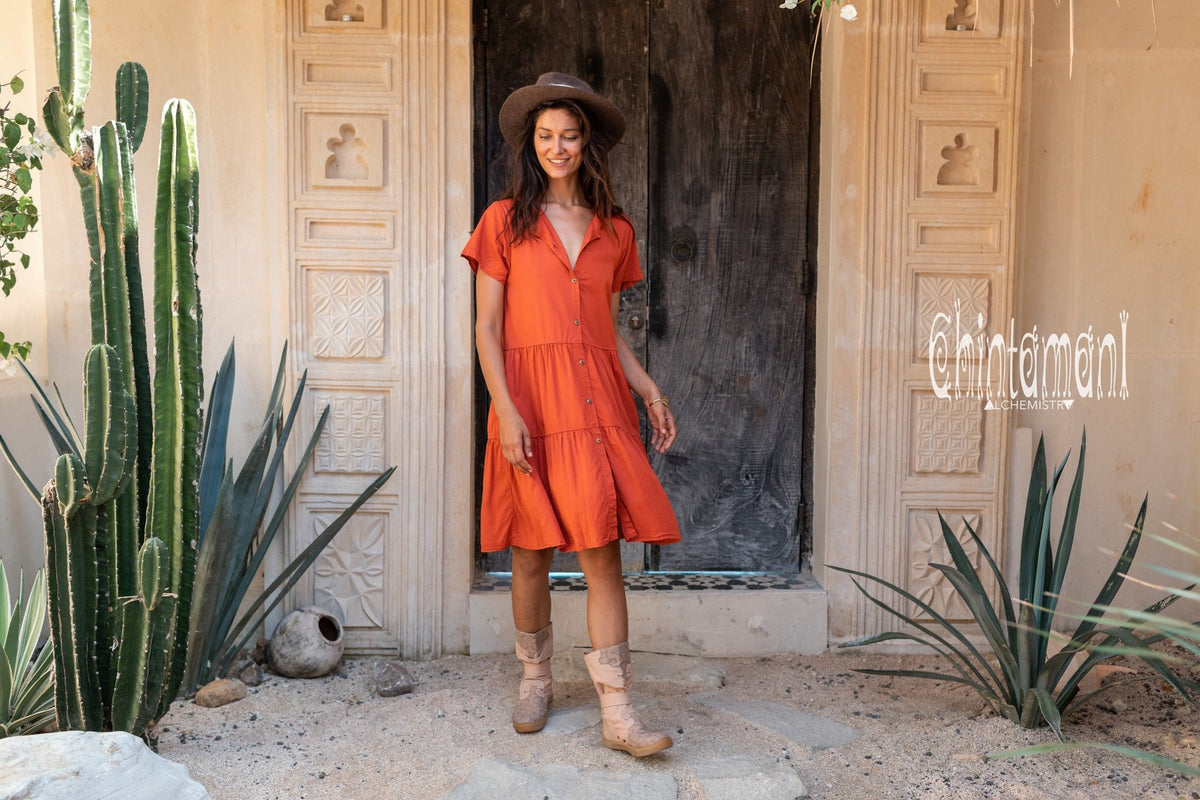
<point>662,400</point>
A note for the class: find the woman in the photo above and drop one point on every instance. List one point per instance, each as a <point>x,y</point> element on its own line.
<point>565,466</point>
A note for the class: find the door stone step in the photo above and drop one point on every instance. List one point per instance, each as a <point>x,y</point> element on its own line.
<point>717,615</point>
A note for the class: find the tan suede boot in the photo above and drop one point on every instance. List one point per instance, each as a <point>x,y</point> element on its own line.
<point>534,694</point>
<point>623,730</point>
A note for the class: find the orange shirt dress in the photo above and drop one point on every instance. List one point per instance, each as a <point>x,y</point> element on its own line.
<point>591,480</point>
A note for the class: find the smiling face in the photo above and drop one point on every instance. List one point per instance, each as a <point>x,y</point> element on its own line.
<point>558,141</point>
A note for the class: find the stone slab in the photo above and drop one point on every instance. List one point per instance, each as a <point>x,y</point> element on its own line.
<point>791,723</point>
<point>490,779</point>
<point>98,766</point>
<point>562,721</point>
<point>711,623</point>
<point>739,777</point>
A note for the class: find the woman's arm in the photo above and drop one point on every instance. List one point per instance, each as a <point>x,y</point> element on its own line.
<point>662,421</point>
<point>515,441</point>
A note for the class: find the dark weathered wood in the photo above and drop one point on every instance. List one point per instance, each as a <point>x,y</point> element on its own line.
<point>714,172</point>
<point>728,317</point>
<point>603,43</point>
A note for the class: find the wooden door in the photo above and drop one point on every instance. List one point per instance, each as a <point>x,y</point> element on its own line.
<point>714,170</point>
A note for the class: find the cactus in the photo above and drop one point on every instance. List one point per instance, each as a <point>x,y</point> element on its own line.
<point>133,100</point>
<point>121,514</point>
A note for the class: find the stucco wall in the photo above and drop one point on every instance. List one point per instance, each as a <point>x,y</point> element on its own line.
<point>22,318</point>
<point>216,57</point>
<point>1109,225</point>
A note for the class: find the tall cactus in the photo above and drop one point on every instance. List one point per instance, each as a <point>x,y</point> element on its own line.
<point>174,502</point>
<point>122,511</point>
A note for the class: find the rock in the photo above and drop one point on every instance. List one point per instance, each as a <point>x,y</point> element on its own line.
<point>84,764</point>
<point>791,723</point>
<point>307,643</point>
<point>220,692</point>
<point>245,669</point>
<point>251,674</point>
<point>262,649</point>
<point>740,776</point>
<point>392,678</point>
<point>490,778</point>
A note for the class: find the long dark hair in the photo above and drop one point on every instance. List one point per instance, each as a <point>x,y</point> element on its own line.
<point>527,187</point>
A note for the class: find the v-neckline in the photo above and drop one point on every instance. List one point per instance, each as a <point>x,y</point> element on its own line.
<point>561,248</point>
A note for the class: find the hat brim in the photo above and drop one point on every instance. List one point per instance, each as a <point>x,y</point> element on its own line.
<point>603,115</point>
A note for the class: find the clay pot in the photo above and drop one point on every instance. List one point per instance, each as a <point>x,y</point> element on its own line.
<point>307,643</point>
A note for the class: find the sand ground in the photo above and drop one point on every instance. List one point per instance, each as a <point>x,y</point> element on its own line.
<point>333,737</point>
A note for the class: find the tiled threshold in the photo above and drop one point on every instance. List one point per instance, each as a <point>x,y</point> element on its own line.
<point>701,614</point>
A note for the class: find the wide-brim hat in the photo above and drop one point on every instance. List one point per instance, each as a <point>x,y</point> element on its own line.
<point>604,116</point>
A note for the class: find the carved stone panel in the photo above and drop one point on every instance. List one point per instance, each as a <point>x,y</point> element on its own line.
<point>342,17</point>
<point>926,547</point>
<point>324,73</point>
<point>961,21</point>
<point>331,229</point>
<point>947,308</point>
<point>947,435</point>
<point>959,83</point>
<point>347,313</point>
<point>354,440</point>
<point>955,234</point>
<point>957,159</point>
<point>350,574</point>
<point>343,151</point>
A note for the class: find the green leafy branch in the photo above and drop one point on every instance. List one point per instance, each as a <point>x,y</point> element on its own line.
<point>21,150</point>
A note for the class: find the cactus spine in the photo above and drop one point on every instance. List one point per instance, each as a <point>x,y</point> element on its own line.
<point>122,511</point>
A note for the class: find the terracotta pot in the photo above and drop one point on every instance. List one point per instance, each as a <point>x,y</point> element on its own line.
<point>307,643</point>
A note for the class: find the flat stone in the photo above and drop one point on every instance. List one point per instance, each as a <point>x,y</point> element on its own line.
<point>561,721</point>
<point>220,692</point>
<point>739,777</point>
<point>791,723</point>
<point>490,779</point>
<point>392,678</point>
<point>78,764</point>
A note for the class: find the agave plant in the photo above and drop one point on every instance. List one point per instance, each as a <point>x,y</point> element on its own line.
<point>1021,679</point>
<point>1181,632</point>
<point>26,680</point>
<point>236,530</point>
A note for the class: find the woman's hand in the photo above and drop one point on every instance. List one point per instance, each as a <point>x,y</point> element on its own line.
<point>662,423</point>
<point>516,443</point>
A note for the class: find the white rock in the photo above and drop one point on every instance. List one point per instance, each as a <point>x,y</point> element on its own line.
<point>98,766</point>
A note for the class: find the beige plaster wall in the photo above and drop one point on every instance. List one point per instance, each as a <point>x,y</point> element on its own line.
<point>23,318</point>
<point>216,56</point>
<point>1110,208</point>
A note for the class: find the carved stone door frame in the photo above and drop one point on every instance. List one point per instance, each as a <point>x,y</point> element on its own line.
<point>920,235</point>
<point>376,205</point>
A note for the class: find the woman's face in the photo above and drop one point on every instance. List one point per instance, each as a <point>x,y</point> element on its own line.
<point>558,142</point>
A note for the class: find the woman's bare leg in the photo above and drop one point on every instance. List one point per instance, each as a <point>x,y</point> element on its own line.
<point>609,663</point>
<point>531,588</point>
<point>607,616</point>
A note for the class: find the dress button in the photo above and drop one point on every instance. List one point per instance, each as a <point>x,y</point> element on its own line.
<point>597,440</point>
<point>576,322</point>
<point>589,401</point>
<point>574,280</point>
<point>581,362</point>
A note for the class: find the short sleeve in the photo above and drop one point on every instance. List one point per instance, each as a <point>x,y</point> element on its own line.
<point>487,249</point>
<point>629,270</point>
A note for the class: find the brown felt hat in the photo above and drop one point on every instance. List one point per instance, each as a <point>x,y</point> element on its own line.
<point>604,116</point>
